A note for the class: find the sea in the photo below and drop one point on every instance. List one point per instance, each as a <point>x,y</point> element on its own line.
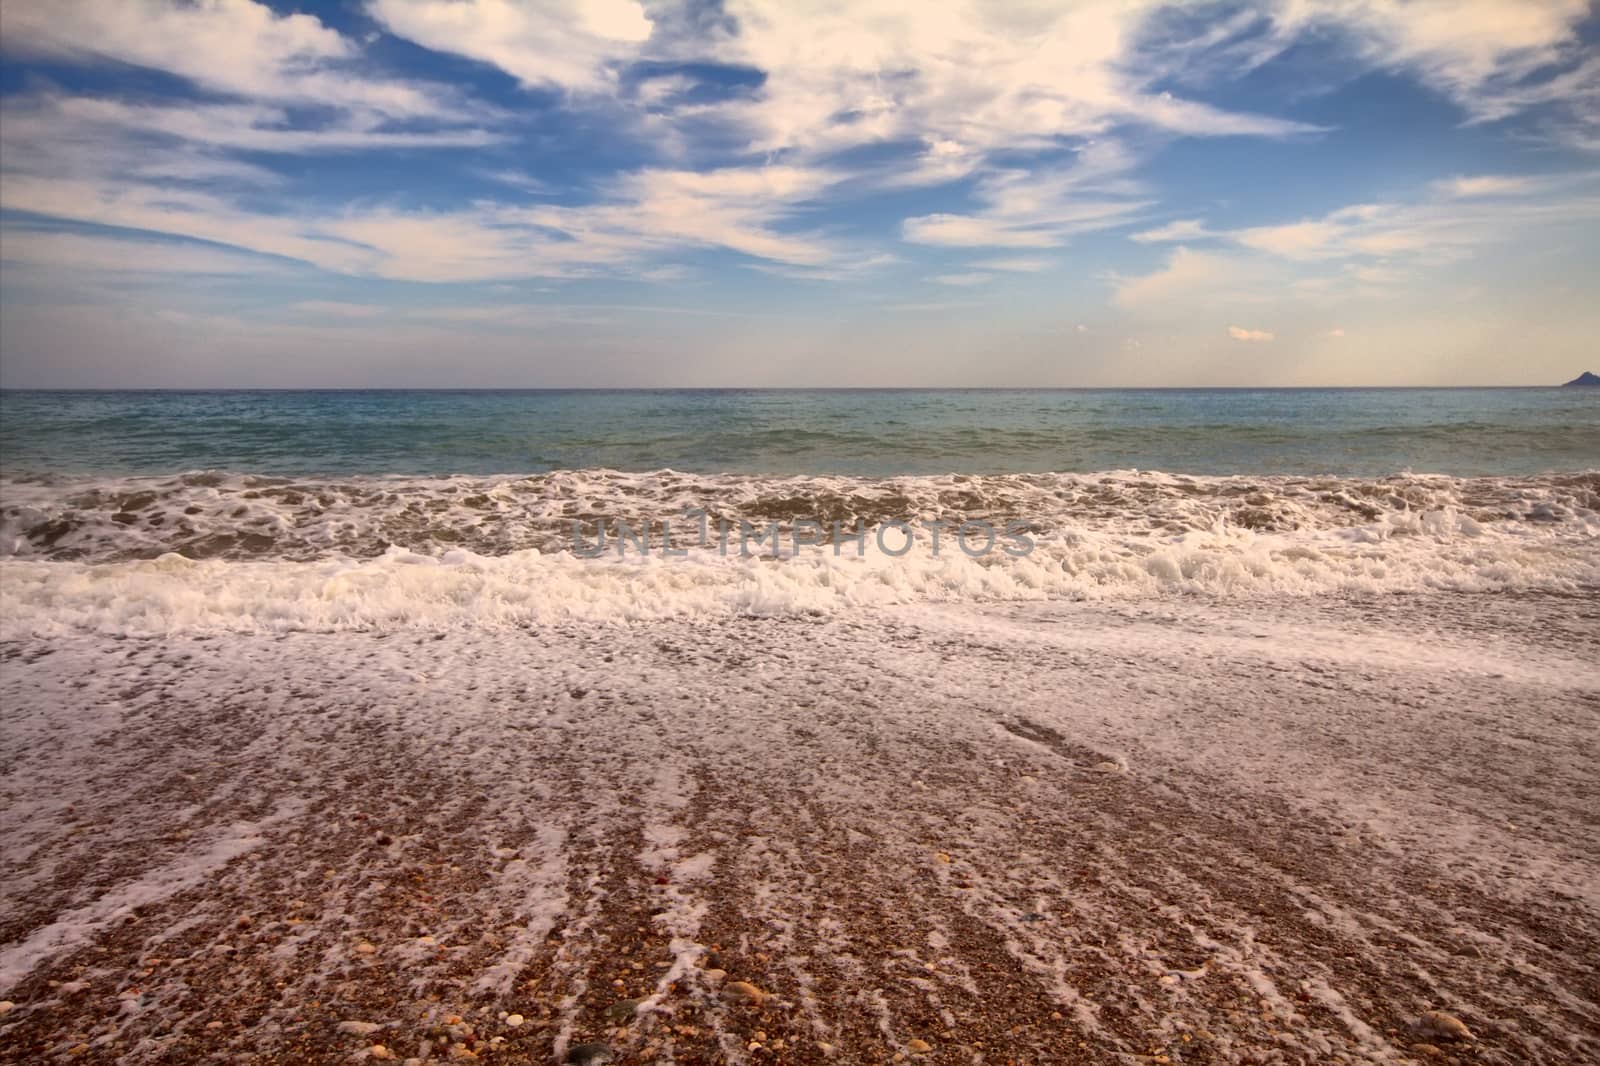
<point>141,511</point>
<point>1056,727</point>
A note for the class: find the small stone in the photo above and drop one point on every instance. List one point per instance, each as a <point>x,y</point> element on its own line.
<point>378,1051</point>
<point>589,1055</point>
<point>1428,1051</point>
<point>943,858</point>
<point>918,1047</point>
<point>1107,768</point>
<point>365,948</point>
<point>355,1028</point>
<point>743,992</point>
<point>6,1007</point>
<point>213,1025</point>
<point>622,1010</point>
<point>715,975</point>
<point>1444,1026</point>
<point>514,1020</point>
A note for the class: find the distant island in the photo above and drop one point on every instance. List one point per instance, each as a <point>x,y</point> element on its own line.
<point>1585,378</point>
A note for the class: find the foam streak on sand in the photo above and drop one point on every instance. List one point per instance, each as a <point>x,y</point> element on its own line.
<point>1323,816</point>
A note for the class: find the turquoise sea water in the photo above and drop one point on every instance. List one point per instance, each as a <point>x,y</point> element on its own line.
<point>871,433</point>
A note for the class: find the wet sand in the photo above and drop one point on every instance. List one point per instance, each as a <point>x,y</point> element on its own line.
<point>1267,832</point>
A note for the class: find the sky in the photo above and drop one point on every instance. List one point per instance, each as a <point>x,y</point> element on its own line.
<point>574,193</point>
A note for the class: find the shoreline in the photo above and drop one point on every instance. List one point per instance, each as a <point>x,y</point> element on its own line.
<point>1260,832</point>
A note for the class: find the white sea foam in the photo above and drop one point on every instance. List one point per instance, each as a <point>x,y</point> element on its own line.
<point>241,516</point>
<point>455,588</point>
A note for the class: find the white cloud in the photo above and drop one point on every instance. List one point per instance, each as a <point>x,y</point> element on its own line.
<point>1187,229</point>
<point>1021,264</point>
<point>232,46</point>
<point>1034,104</point>
<point>963,280</point>
<point>1486,55</point>
<point>984,76</point>
<point>966,231</point>
<point>92,253</point>
<point>736,208</point>
<point>1483,185</point>
<point>1441,229</point>
<point>642,216</point>
<point>1186,275</point>
<point>1239,333</point>
<point>250,127</point>
<point>565,44</point>
<point>1336,332</point>
<point>1040,207</point>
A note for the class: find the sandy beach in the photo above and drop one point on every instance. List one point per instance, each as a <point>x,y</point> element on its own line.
<point>1184,831</point>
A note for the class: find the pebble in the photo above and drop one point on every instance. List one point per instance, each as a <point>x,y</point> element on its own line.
<point>743,991</point>
<point>918,1047</point>
<point>355,1028</point>
<point>6,1007</point>
<point>622,1010</point>
<point>1428,1051</point>
<point>378,1051</point>
<point>589,1055</point>
<point>1438,1023</point>
<point>514,1020</point>
<point>365,948</point>
<point>1107,768</point>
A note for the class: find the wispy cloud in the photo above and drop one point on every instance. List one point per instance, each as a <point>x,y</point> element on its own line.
<point>1187,229</point>
<point>1040,207</point>
<point>1484,185</point>
<point>565,44</point>
<point>241,48</point>
<point>1258,336</point>
<point>1019,264</point>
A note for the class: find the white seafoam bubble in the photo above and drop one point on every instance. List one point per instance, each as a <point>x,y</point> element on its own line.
<point>240,516</point>
<point>457,588</point>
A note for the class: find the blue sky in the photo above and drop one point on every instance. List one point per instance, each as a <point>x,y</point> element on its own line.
<point>779,192</point>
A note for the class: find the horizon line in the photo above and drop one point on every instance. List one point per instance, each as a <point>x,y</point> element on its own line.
<point>761,388</point>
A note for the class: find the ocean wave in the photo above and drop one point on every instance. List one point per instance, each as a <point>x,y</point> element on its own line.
<point>287,554</point>
<point>219,515</point>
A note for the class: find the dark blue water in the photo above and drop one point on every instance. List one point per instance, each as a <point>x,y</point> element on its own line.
<point>1360,432</point>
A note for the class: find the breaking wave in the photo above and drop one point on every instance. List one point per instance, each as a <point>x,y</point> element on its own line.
<point>231,552</point>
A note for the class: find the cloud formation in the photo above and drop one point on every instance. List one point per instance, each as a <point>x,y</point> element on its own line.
<point>1239,333</point>
<point>1076,148</point>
